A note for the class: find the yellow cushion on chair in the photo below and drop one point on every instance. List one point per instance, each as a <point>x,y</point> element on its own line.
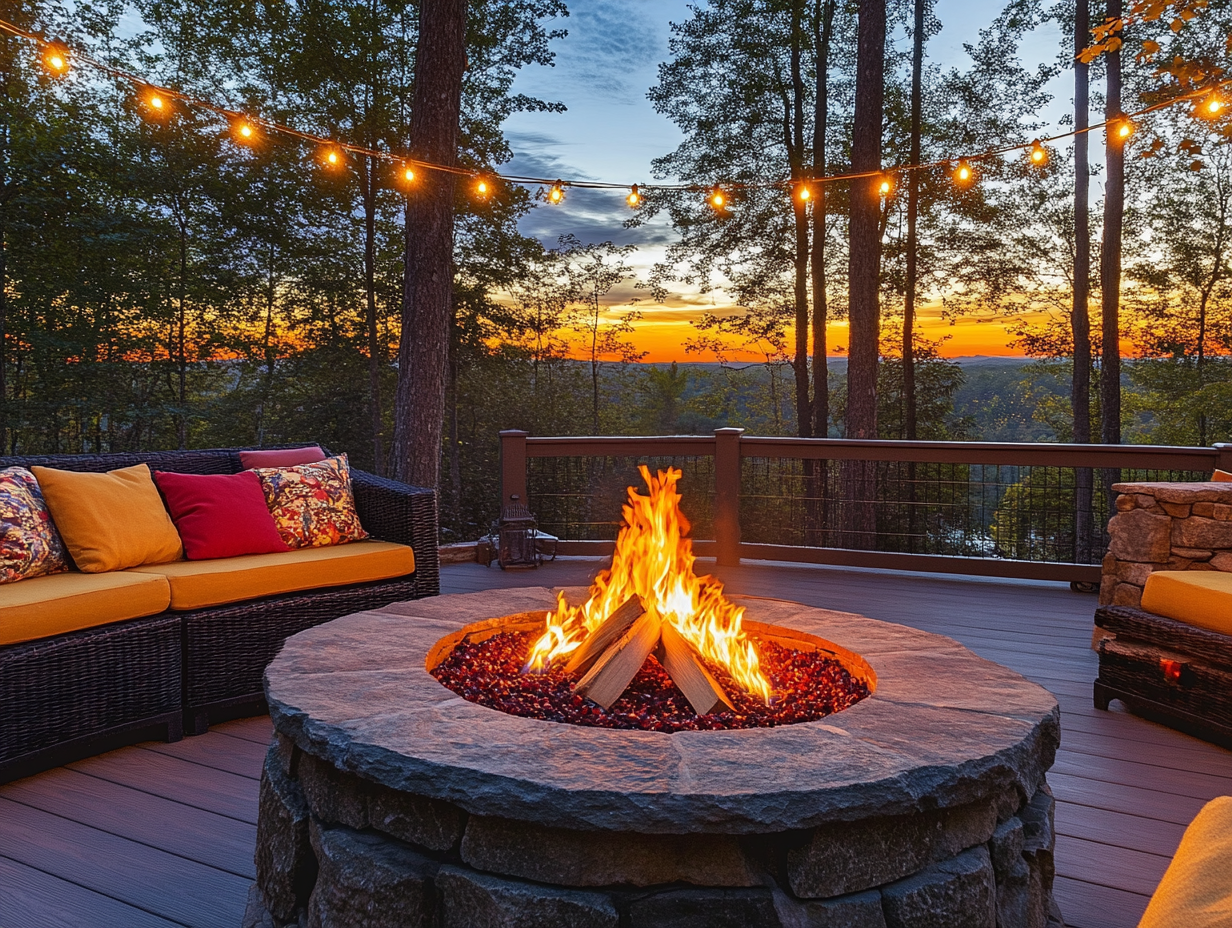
<point>1196,597</point>
<point>110,521</point>
<point>198,584</point>
<point>1196,891</point>
<point>45,606</point>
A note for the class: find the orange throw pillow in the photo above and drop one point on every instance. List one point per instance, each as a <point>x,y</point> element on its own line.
<point>1221,476</point>
<point>110,521</point>
<point>312,504</point>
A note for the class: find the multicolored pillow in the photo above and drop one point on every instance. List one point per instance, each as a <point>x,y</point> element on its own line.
<point>30,546</point>
<point>312,504</point>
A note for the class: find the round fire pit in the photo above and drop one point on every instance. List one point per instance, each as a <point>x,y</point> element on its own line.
<point>388,799</point>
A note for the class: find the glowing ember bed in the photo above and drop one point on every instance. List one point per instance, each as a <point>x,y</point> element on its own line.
<point>913,795</point>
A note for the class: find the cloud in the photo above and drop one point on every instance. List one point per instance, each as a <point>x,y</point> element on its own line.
<point>611,46</point>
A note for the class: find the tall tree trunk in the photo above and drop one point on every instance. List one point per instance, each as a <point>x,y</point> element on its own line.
<point>913,213</point>
<point>864,262</point>
<point>423,353</point>
<point>864,265</point>
<point>376,354</point>
<point>182,337</point>
<point>795,148</point>
<point>1110,265</point>
<point>1080,319</point>
<point>823,32</point>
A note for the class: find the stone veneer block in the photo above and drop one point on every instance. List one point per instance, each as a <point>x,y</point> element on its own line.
<point>846,857</point>
<point>368,881</point>
<point>859,910</point>
<point>705,908</point>
<point>595,858</point>
<point>1012,875</point>
<point>347,799</point>
<point>285,865</point>
<point>957,893</point>
<point>1139,535</point>
<point>476,900</point>
<point>1180,492</point>
<point>1197,532</point>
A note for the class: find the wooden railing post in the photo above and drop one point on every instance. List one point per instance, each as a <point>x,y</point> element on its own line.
<point>727,495</point>
<point>513,467</point>
<point>1223,456</point>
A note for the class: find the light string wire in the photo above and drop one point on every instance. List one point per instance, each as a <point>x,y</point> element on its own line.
<point>237,117</point>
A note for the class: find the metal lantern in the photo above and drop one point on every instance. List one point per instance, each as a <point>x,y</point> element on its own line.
<point>517,538</point>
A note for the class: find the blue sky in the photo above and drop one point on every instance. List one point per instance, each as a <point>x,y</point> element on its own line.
<point>610,132</point>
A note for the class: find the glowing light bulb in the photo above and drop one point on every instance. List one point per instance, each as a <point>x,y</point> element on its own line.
<point>557,193</point>
<point>56,60</point>
<point>634,197</point>
<point>408,175</point>
<point>246,130</point>
<point>717,199</point>
<point>963,174</point>
<point>1039,154</point>
<point>482,188</point>
<point>1124,128</point>
<point>804,193</point>
<point>332,158</point>
<point>885,187</point>
<point>1214,106</point>
<point>156,102</point>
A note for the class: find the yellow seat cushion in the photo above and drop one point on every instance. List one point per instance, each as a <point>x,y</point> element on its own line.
<point>1196,891</point>
<point>197,584</point>
<point>45,606</point>
<point>1197,597</point>
<point>110,521</point>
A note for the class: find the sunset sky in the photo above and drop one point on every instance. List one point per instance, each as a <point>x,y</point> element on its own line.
<point>611,133</point>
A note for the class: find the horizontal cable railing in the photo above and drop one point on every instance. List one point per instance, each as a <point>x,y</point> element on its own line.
<point>1027,510</point>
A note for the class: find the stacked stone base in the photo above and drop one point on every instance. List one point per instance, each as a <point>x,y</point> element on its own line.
<point>1164,526</point>
<point>336,850</point>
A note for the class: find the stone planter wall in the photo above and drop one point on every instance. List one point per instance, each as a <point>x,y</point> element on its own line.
<point>1164,526</point>
<point>337,851</point>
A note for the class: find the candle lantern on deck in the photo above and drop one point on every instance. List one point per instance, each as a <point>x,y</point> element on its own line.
<point>517,537</point>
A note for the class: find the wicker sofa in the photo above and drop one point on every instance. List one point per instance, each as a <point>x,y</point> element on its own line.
<point>70,695</point>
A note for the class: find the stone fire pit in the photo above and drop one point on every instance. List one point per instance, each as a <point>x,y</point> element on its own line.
<point>386,799</point>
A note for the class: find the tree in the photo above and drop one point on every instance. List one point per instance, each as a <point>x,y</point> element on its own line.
<point>423,353</point>
<point>1080,321</point>
<point>864,255</point>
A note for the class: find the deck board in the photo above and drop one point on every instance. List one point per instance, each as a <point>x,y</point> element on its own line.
<point>1125,787</point>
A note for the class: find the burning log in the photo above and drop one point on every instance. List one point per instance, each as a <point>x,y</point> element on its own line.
<point>602,637</point>
<point>619,664</point>
<point>684,665</point>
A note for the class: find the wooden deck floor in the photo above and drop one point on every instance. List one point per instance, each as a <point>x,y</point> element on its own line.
<point>162,834</point>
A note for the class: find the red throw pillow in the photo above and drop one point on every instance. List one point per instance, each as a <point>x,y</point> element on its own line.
<point>219,515</point>
<point>1221,476</point>
<point>281,457</point>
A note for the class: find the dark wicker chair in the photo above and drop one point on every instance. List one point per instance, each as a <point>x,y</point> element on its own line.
<point>1166,670</point>
<point>72,695</point>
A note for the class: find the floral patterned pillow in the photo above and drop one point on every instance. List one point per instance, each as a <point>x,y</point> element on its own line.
<point>312,504</point>
<point>30,546</point>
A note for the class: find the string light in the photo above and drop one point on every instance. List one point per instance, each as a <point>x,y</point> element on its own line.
<point>803,193</point>
<point>408,173</point>
<point>55,58</point>
<point>1121,128</point>
<point>886,187</point>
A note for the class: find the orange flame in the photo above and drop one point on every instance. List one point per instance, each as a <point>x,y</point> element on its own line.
<point>654,560</point>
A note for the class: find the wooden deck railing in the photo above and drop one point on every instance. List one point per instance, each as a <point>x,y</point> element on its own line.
<point>994,509</point>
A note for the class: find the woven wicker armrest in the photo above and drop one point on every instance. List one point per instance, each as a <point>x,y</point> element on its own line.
<point>398,512</point>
